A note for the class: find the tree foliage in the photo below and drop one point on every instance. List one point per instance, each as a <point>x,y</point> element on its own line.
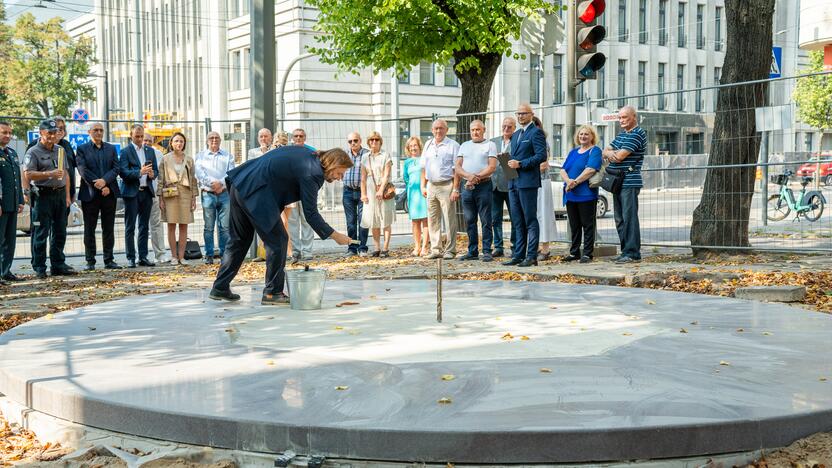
<point>813,95</point>
<point>45,69</point>
<point>474,35</point>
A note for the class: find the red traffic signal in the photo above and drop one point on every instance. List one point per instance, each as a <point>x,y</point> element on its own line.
<point>591,9</point>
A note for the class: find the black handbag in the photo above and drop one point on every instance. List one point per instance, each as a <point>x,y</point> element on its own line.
<point>192,250</point>
<point>613,179</point>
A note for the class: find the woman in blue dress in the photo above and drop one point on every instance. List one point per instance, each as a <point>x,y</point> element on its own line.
<point>417,205</point>
<point>581,199</point>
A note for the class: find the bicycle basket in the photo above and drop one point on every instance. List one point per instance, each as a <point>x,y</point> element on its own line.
<point>779,179</point>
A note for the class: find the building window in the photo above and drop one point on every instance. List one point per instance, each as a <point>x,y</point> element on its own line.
<point>450,76</point>
<point>622,20</point>
<point>601,83</point>
<point>557,141</point>
<point>579,92</point>
<point>404,78</point>
<point>426,74</point>
<point>808,138</point>
<point>683,40</point>
<point>534,79</point>
<point>698,105</point>
<point>642,85</point>
<point>234,70</point>
<point>718,29</point>
<point>244,72</point>
<point>622,83</point>
<point>642,22</point>
<point>662,22</point>
<point>700,26</point>
<point>662,99</point>
<point>237,8</point>
<point>717,76</point>
<point>557,76</point>
<point>680,85</point>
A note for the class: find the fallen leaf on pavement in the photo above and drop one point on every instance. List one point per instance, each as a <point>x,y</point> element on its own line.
<point>507,336</point>
<point>651,302</point>
<point>545,370</point>
<point>524,338</point>
<point>342,387</point>
<point>724,363</point>
<point>448,377</point>
<point>270,362</point>
<point>627,334</point>
<point>337,327</point>
<point>823,379</point>
<point>683,330</point>
<point>767,333</point>
<point>444,401</point>
<point>346,303</point>
<point>740,330</point>
<point>694,323</point>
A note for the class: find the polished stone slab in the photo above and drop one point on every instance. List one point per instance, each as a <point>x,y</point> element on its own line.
<point>516,373</point>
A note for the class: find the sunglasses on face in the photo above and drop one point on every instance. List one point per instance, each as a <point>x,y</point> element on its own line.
<point>373,139</point>
<point>353,141</point>
<point>298,136</point>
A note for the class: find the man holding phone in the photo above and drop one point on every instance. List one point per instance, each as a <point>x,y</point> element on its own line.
<point>137,168</point>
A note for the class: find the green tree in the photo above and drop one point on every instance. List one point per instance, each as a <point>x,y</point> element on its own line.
<point>475,35</point>
<point>45,69</point>
<point>813,94</point>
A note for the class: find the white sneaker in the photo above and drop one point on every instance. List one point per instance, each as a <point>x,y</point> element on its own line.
<point>449,256</point>
<point>362,253</point>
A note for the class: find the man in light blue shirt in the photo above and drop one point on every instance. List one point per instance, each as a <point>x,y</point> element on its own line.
<point>438,159</point>
<point>211,166</point>
<point>300,233</point>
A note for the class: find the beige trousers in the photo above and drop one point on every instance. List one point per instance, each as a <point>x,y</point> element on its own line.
<point>441,210</point>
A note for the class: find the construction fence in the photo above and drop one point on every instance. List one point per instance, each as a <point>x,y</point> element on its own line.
<point>681,134</point>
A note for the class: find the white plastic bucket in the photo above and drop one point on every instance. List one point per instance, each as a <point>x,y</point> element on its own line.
<point>306,288</point>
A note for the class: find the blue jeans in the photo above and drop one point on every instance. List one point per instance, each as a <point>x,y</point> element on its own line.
<point>478,202</point>
<point>498,200</point>
<point>353,209</point>
<point>625,211</point>
<point>215,211</point>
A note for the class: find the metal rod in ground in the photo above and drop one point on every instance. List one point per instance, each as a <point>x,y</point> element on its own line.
<point>439,289</point>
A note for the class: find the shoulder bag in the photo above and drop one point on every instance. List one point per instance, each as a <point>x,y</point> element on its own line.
<point>389,191</point>
<point>170,189</point>
<point>192,250</point>
<point>613,178</point>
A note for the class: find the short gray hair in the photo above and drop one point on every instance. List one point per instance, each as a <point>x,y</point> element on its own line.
<point>628,108</point>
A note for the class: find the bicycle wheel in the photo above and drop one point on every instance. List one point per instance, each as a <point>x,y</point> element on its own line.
<point>777,208</point>
<point>815,204</point>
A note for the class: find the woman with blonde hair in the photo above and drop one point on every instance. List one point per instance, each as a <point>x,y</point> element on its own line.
<point>581,200</point>
<point>177,189</point>
<point>378,213</point>
<point>281,138</point>
<point>417,204</point>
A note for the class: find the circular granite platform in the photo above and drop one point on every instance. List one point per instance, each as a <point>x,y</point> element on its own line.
<point>516,373</point>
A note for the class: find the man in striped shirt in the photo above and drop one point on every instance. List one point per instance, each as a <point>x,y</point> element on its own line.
<point>626,152</point>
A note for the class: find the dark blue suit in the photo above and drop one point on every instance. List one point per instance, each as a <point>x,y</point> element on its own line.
<point>259,191</point>
<point>95,163</point>
<point>138,201</point>
<point>529,148</point>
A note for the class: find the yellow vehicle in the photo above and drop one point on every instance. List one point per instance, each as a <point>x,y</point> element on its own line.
<point>161,126</point>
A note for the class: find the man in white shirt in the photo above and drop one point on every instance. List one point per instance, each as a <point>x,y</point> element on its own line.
<point>157,227</point>
<point>476,162</point>
<point>264,137</point>
<point>211,165</point>
<point>437,186</point>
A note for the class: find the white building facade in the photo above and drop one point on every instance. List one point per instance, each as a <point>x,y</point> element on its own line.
<point>195,66</point>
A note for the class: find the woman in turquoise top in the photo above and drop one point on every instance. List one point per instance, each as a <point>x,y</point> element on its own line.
<point>581,199</point>
<point>417,205</point>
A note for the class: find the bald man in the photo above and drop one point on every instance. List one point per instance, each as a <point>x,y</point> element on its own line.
<point>264,139</point>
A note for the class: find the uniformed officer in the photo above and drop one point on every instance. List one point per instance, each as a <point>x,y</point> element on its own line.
<point>11,202</point>
<point>70,154</point>
<point>47,170</point>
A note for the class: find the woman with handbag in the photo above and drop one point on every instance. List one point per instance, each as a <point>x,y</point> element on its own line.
<point>581,199</point>
<point>177,190</point>
<point>378,194</point>
<point>417,204</point>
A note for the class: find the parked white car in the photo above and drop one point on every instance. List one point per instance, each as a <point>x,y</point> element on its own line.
<point>604,197</point>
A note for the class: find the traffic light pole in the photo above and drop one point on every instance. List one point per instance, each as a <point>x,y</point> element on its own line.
<point>571,70</point>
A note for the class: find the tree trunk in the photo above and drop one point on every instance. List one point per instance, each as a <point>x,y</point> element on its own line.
<point>476,90</point>
<point>722,217</point>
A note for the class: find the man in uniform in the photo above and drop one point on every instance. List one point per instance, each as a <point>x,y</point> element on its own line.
<point>70,154</point>
<point>47,169</point>
<point>11,202</point>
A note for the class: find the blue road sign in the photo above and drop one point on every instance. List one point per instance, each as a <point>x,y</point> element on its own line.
<point>75,140</point>
<point>776,62</point>
<point>80,115</point>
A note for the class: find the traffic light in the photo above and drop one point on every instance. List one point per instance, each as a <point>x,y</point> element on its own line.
<point>588,35</point>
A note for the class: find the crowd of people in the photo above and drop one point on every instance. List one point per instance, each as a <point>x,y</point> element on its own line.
<point>483,176</point>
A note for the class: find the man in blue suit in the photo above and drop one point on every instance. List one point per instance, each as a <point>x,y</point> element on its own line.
<point>137,168</point>
<point>97,162</point>
<point>259,191</point>
<point>528,151</point>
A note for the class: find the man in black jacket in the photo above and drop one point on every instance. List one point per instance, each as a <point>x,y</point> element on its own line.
<point>11,202</point>
<point>98,165</point>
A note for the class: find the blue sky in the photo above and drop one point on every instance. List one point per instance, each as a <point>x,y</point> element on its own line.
<point>67,9</point>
